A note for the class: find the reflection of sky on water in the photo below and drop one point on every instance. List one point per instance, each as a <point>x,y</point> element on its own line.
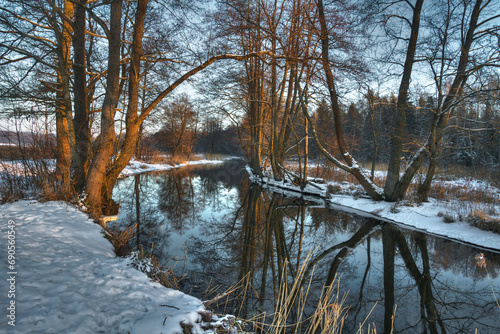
<point>222,228</point>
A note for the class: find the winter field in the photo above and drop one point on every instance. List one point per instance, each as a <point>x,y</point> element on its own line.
<point>61,274</point>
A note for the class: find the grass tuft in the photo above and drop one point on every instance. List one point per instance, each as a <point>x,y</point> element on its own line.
<point>120,239</point>
<point>484,221</point>
<point>162,274</point>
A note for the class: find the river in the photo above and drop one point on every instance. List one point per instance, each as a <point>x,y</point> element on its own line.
<point>221,232</point>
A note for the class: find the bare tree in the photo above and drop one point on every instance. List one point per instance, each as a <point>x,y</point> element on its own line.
<point>105,170</point>
<point>350,164</point>
<point>443,67</point>
<point>38,35</point>
<point>451,77</point>
<point>178,133</point>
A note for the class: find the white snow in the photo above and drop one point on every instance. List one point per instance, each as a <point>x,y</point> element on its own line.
<point>26,167</point>
<point>423,217</point>
<point>68,279</point>
<point>17,167</point>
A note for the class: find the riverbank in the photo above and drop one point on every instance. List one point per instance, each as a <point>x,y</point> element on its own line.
<point>135,167</point>
<point>431,217</point>
<point>67,278</point>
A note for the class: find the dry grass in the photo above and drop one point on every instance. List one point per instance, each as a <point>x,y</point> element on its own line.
<point>163,274</point>
<point>463,193</point>
<point>484,221</point>
<point>120,239</point>
<point>24,178</point>
<point>328,316</point>
<point>12,187</point>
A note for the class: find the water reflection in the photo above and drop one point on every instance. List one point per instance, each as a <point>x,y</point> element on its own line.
<point>224,230</point>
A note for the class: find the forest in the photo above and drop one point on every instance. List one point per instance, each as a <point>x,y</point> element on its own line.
<point>410,85</point>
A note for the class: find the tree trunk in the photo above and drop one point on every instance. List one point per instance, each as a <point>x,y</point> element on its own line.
<point>351,167</point>
<point>81,117</point>
<point>371,103</point>
<point>133,124</point>
<point>425,188</point>
<point>277,172</point>
<point>392,189</point>
<point>104,151</point>
<point>63,151</point>
<point>65,142</point>
<point>444,112</point>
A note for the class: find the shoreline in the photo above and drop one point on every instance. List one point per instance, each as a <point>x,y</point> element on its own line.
<point>423,217</point>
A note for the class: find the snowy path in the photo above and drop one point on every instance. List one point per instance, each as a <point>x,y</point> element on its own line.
<point>68,279</point>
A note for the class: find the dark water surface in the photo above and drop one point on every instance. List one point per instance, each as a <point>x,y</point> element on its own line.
<point>219,229</point>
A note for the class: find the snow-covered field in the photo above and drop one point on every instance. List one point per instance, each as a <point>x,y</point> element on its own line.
<point>17,167</point>
<point>137,167</point>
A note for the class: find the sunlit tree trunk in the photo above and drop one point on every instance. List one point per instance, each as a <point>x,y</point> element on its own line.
<point>65,135</point>
<point>277,173</point>
<point>63,151</point>
<point>96,176</point>
<point>254,69</point>
<point>297,44</point>
<point>133,124</point>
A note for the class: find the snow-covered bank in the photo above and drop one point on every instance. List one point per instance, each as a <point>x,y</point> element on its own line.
<point>19,168</point>
<point>423,217</point>
<point>66,279</point>
<point>138,167</point>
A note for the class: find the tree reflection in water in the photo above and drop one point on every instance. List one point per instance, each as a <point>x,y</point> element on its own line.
<point>231,231</point>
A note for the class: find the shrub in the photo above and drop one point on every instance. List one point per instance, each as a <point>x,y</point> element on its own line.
<point>483,221</point>
<point>120,239</point>
<point>394,208</point>
<point>333,189</point>
<point>447,218</point>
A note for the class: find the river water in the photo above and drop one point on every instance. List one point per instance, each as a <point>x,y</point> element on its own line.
<point>222,232</point>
